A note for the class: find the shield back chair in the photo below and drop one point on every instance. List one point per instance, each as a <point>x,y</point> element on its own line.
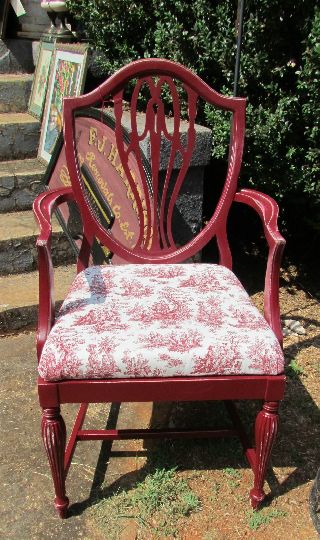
<point>159,327</point>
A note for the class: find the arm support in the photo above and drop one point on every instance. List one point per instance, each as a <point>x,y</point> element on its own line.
<point>43,207</point>
<point>268,211</point>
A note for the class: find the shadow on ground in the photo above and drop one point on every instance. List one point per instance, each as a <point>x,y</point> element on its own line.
<point>27,510</point>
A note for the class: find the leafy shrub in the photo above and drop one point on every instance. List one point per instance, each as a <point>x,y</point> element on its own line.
<point>279,76</point>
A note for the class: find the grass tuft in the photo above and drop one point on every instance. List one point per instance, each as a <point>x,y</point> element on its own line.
<point>156,504</point>
<point>264,517</point>
<point>294,370</point>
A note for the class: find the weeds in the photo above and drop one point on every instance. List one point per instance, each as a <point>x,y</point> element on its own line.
<point>234,473</point>
<point>294,370</point>
<point>256,519</point>
<point>156,504</point>
<point>234,477</point>
<point>215,491</point>
<point>163,490</point>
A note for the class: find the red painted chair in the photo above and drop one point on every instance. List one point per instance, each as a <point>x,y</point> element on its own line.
<point>156,329</point>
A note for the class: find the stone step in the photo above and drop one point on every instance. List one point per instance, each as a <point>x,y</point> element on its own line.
<point>20,297</point>
<point>20,182</point>
<point>15,92</point>
<point>18,253</point>
<point>19,136</point>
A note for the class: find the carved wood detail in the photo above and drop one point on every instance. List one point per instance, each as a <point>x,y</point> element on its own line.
<point>54,438</point>
<point>266,428</point>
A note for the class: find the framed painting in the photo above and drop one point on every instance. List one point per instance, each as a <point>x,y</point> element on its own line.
<point>68,70</point>
<point>4,8</point>
<point>40,79</point>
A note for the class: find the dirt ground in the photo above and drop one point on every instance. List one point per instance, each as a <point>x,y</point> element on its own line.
<point>215,471</point>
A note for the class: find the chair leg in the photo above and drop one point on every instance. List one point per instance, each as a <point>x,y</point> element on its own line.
<point>266,428</point>
<point>54,437</point>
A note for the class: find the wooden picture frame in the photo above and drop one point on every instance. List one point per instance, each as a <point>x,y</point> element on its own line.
<point>68,70</point>
<point>4,8</point>
<point>40,79</point>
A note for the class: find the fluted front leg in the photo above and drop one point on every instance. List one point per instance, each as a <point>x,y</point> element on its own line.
<point>266,428</point>
<point>54,437</point>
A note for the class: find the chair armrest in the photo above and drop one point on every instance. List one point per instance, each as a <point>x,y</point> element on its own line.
<point>268,211</point>
<point>43,207</point>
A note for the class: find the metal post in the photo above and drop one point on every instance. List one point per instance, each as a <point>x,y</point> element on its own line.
<point>239,29</point>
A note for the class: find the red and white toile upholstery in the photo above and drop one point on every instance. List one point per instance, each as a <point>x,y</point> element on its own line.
<point>159,321</point>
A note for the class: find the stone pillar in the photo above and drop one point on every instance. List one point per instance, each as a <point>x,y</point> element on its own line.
<point>34,22</point>
<point>57,11</point>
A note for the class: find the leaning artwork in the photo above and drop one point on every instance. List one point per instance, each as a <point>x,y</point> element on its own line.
<point>67,79</point>
<point>40,81</point>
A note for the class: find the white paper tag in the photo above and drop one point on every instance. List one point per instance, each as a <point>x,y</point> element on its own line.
<point>18,7</point>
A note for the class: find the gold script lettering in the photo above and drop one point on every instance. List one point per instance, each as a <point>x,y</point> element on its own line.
<point>64,176</point>
<point>113,157</point>
<point>92,135</point>
<point>101,144</point>
<point>120,170</point>
<point>113,154</point>
<point>93,139</point>
<point>116,208</point>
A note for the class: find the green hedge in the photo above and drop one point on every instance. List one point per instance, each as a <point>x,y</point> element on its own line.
<point>279,76</point>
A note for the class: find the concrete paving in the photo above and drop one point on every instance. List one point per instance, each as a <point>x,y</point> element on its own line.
<point>15,90</point>
<point>22,225</point>
<point>19,225</point>
<point>20,182</point>
<point>19,297</point>
<point>18,234</point>
<point>26,503</point>
<point>19,135</point>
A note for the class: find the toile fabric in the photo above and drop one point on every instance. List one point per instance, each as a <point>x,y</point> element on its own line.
<point>165,320</point>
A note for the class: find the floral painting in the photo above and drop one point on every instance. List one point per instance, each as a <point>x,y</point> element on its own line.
<point>40,81</point>
<point>67,78</point>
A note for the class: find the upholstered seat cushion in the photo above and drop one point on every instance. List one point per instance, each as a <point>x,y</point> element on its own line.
<point>157,321</point>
